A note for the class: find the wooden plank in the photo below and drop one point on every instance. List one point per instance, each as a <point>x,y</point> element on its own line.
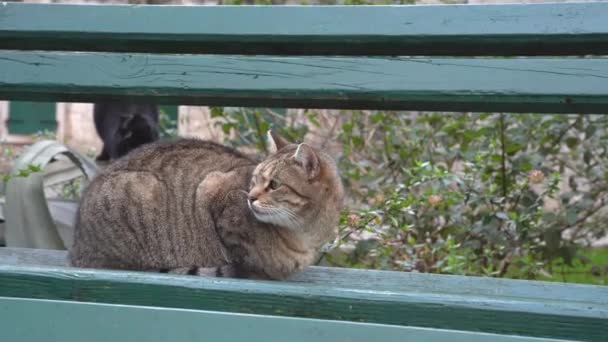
<point>460,303</point>
<point>516,29</point>
<point>544,85</point>
<point>70,321</point>
<point>381,280</point>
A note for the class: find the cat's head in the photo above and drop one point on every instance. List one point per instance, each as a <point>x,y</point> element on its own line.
<point>134,130</point>
<point>297,187</point>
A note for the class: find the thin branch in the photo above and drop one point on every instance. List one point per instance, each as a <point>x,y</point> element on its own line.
<point>331,132</point>
<point>276,115</point>
<point>504,264</point>
<point>503,157</point>
<point>579,223</point>
<point>564,131</point>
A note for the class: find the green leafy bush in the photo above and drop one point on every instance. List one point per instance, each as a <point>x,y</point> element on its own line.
<point>483,194</point>
<point>475,193</point>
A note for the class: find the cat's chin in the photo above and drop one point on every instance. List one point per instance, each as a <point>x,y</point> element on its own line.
<point>263,218</point>
<point>258,212</point>
<point>265,215</point>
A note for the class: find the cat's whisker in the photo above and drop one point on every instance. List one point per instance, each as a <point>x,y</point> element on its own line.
<point>294,221</point>
<point>293,215</point>
<point>281,216</point>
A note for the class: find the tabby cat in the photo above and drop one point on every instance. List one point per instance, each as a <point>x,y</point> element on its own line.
<point>124,126</point>
<point>196,207</point>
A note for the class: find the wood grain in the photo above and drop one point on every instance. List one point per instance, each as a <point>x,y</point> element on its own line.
<point>543,85</point>
<point>515,29</point>
<point>501,306</point>
<point>70,321</point>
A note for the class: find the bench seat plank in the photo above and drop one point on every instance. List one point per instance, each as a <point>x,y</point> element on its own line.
<point>71,321</point>
<point>456,30</point>
<point>543,85</point>
<point>460,303</point>
<point>382,280</point>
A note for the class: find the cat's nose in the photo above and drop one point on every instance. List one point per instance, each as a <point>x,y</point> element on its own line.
<point>254,194</point>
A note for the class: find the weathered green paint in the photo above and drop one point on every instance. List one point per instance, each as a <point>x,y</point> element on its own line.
<point>411,282</point>
<point>553,315</point>
<point>44,320</point>
<point>520,29</point>
<point>31,117</point>
<point>564,85</point>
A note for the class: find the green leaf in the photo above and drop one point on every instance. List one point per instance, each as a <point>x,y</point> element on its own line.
<point>587,156</point>
<point>264,126</point>
<point>227,127</point>
<point>365,246</point>
<point>523,165</point>
<point>312,117</point>
<point>357,142</point>
<point>572,142</point>
<point>571,216</point>
<point>347,127</point>
<point>513,148</point>
<point>552,239</point>
<point>217,112</point>
<point>34,168</point>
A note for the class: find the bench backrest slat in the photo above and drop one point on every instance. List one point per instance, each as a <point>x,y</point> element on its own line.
<point>450,84</point>
<point>126,43</point>
<point>457,30</point>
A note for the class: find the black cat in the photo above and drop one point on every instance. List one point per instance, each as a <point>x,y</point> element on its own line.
<point>124,126</point>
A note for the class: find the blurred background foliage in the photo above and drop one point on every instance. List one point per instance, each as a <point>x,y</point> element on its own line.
<point>504,195</point>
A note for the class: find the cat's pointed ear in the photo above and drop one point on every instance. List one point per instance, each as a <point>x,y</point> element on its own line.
<point>275,142</point>
<point>308,159</point>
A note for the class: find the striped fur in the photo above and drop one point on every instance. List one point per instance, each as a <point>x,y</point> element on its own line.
<point>195,207</point>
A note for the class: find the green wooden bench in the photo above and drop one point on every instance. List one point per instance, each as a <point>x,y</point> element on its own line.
<point>381,57</point>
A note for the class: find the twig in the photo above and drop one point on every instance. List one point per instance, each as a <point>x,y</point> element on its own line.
<point>503,156</point>
<point>344,237</point>
<point>276,115</point>
<point>505,263</point>
<point>582,219</point>
<point>331,132</point>
<point>564,131</point>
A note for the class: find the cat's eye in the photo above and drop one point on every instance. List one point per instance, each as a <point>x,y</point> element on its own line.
<point>274,184</point>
